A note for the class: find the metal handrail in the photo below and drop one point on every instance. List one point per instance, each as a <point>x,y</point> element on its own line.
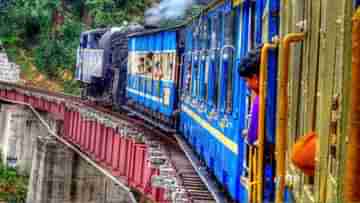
<point>261,120</point>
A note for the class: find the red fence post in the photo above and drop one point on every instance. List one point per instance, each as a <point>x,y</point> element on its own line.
<point>116,155</point>
<point>109,146</point>
<point>99,140</point>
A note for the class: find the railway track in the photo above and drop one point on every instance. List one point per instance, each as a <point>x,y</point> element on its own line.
<point>175,166</point>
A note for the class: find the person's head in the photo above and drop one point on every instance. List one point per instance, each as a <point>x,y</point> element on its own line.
<point>249,70</point>
<point>142,60</point>
<point>150,55</point>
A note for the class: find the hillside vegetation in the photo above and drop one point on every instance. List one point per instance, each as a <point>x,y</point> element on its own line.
<point>42,35</point>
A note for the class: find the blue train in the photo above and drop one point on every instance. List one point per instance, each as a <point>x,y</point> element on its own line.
<point>185,79</point>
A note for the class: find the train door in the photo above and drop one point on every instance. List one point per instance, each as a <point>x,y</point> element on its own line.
<point>333,103</point>
<point>311,99</point>
<point>260,25</point>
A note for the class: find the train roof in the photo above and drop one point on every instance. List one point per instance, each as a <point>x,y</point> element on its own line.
<point>153,31</point>
<point>213,4</point>
<point>98,30</point>
<point>105,40</point>
<point>210,6</point>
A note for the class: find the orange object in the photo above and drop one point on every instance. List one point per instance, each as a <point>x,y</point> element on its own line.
<point>303,153</point>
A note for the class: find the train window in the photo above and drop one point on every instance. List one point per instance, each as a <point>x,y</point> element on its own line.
<point>229,55</point>
<point>165,67</point>
<point>197,70</point>
<point>173,66</point>
<point>252,35</point>
<point>217,42</point>
<point>188,79</point>
<point>196,74</point>
<point>219,67</point>
<point>198,58</point>
<point>207,32</point>
<point>162,66</point>
<point>206,80</point>
<point>205,47</point>
<point>84,41</point>
<point>134,63</point>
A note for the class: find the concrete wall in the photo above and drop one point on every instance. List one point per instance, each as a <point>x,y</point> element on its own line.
<point>17,129</point>
<point>57,174</point>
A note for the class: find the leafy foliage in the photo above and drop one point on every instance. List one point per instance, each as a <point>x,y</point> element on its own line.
<point>48,30</point>
<point>13,187</point>
<point>56,54</point>
<point>195,10</point>
<point>72,87</point>
<point>115,12</point>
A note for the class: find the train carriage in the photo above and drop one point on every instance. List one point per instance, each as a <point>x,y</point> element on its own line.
<point>153,73</point>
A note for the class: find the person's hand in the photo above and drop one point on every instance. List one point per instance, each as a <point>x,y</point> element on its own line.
<point>244,133</point>
<point>256,143</point>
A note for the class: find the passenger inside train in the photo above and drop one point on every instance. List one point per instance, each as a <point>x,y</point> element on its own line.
<point>157,72</point>
<point>141,66</point>
<point>149,63</point>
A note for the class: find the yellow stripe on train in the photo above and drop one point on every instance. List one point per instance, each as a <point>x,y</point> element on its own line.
<point>232,146</point>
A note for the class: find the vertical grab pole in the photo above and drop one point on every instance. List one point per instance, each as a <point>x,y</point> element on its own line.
<point>282,117</point>
<point>261,120</point>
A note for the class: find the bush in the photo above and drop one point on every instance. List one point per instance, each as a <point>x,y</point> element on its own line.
<point>53,55</point>
<point>72,87</point>
<point>13,187</point>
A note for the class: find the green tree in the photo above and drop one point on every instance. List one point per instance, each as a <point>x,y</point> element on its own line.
<point>47,31</point>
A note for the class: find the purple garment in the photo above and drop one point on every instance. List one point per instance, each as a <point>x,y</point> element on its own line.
<point>253,130</point>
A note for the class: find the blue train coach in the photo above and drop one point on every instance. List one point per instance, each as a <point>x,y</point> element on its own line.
<point>153,71</point>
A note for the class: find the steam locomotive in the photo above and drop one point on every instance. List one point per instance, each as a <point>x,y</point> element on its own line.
<point>185,79</point>
<point>102,64</point>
